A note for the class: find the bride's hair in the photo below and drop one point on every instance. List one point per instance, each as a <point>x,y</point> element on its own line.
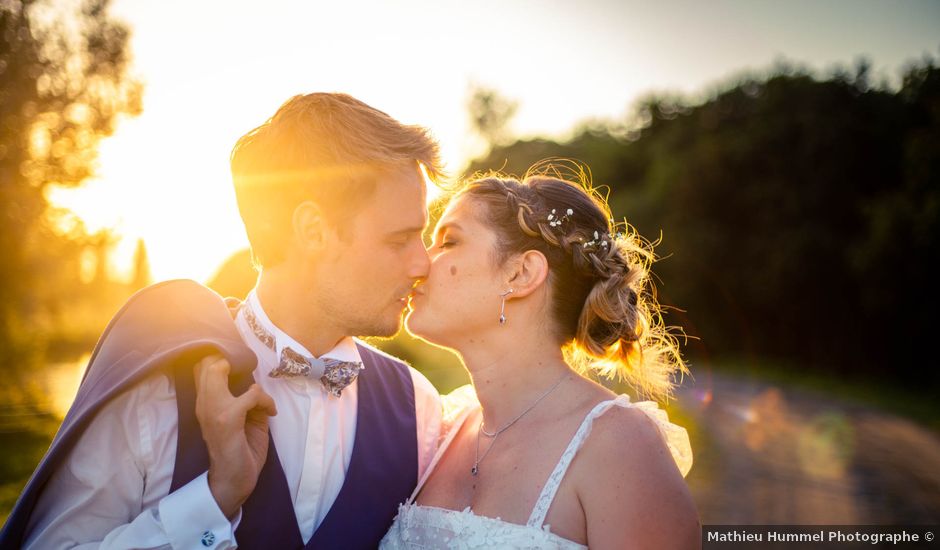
<point>603,303</point>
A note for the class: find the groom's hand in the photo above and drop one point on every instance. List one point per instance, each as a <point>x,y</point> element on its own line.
<point>235,430</point>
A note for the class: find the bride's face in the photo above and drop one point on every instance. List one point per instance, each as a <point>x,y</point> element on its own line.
<point>460,298</point>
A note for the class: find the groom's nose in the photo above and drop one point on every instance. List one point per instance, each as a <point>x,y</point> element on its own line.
<point>419,262</point>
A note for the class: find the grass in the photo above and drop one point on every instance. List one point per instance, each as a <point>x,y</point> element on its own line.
<point>23,446</point>
<point>25,437</point>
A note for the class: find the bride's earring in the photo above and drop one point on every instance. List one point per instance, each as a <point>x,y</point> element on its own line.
<point>502,308</point>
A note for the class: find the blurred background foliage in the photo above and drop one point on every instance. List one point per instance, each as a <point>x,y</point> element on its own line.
<point>64,84</point>
<point>797,214</point>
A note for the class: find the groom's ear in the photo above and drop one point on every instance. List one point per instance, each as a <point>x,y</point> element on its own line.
<point>310,229</point>
<point>530,269</point>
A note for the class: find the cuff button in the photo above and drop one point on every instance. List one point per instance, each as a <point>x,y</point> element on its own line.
<point>208,539</point>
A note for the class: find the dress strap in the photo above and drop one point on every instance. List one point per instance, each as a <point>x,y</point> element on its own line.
<point>537,518</point>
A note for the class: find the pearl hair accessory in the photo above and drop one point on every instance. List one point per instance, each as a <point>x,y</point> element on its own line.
<point>597,241</point>
<point>555,221</point>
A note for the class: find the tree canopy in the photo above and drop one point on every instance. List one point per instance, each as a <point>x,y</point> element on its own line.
<point>64,84</point>
<point>797,214</point>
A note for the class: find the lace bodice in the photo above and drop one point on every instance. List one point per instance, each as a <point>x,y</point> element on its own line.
<point>418,526</point>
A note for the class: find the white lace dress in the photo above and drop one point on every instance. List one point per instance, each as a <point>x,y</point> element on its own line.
<point>418,526</point>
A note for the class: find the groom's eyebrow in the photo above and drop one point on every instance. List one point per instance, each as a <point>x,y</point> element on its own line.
<point>408,231</point>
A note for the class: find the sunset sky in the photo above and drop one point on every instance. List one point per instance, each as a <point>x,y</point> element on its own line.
<point>213,70</point>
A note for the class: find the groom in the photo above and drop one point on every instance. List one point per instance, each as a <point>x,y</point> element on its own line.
<point>333,201</point>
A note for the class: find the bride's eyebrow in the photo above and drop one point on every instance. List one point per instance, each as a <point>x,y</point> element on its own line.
<point>444,227</point>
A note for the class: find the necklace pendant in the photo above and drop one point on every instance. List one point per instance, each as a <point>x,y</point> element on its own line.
<point>475,470</point>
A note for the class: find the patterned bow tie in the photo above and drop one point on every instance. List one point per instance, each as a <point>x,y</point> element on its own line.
<point>335,375</point>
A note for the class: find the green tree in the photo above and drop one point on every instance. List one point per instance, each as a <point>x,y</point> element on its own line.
<point>798,214</point>
<point>63,86</point>
<point>490,114</point>
<point>142,275</point>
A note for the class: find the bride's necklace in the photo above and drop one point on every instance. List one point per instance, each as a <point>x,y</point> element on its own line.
<point>478,459</point>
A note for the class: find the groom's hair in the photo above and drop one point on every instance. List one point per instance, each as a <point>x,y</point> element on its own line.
<point>326,147</point>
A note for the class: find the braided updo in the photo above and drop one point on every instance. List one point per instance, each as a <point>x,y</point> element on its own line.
<point>604,307</point>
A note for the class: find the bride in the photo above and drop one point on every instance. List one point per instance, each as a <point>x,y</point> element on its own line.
<point>531,285</point>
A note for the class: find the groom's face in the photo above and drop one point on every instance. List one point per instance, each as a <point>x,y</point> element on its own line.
<point>367,274</point>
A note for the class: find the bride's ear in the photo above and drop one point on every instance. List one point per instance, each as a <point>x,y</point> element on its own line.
<point>529,272</point>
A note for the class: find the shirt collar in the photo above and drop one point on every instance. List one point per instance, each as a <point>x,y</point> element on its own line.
<point>276,339</point>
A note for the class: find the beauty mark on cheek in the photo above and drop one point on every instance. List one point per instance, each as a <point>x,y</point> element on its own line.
<point>453,270</point>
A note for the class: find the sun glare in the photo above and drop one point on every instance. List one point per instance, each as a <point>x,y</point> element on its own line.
<point>179,202</point>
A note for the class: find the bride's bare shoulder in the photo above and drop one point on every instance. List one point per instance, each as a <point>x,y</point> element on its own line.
<point>627,434</point>
<point>626,477</point>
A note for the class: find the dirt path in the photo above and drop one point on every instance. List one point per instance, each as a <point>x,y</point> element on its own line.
<point>768,455</point>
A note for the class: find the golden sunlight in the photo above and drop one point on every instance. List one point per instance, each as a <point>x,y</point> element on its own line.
<point>61,382</point>
<point>179,202</point>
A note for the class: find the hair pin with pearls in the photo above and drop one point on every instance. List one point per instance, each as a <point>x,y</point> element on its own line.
<point>554,220</point>
<point>597,241</point>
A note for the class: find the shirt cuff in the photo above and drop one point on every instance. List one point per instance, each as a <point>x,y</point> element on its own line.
<point>192,518</point>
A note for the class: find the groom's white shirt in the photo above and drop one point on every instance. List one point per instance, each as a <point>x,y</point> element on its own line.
<point>111,492</point>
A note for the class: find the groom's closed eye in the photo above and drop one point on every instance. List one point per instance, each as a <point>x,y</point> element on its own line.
<point>398,242</point>
<point>400,239</point>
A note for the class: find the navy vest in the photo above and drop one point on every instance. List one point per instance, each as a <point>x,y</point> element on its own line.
<point>168,327</point>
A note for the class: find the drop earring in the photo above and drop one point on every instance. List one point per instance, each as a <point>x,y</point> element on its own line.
<point>502,307</point>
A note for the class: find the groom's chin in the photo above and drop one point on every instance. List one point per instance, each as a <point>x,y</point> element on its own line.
<point>378,326</point>
<point>387,330</point>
